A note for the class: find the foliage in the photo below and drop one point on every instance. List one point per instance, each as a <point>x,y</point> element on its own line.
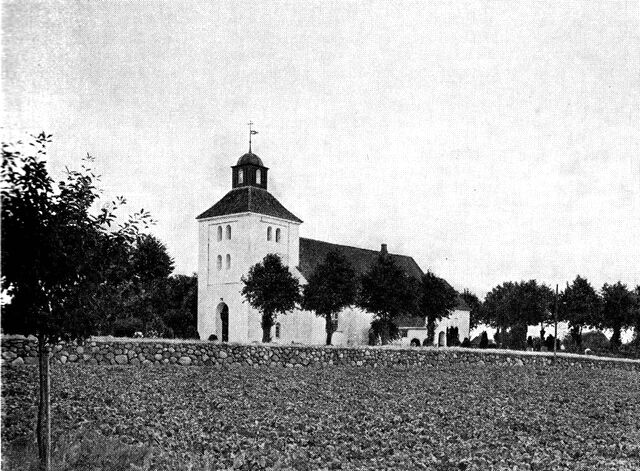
<point>469,416</point>
<point>56,256</point>
<point>437,300</point>
<point>330,288</point>
<point>55,253</point>
<point>617,310</point>
<point>474,303</point>
<point>580,306</point>
<point>270,288</point>
<point>517,304</point>
<point>484,339</point>
<point>387,292</point>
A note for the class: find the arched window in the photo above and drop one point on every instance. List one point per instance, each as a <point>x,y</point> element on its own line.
<point>278,235</point>
<point>228,232</point>
<point>219,233</point>
<point>228,261</point>
<point>269,233</point>
<point>240,176</point>
<point>219,262</point>
<point>258,177</point>
<point>278,330</point>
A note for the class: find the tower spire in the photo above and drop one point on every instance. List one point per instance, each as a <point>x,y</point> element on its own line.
<point>251,133</point>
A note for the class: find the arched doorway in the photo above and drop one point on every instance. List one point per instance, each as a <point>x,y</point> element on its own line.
<point>223,313</point>
<point>442,340</point>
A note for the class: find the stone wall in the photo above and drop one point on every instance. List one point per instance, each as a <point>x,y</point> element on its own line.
<point>19,351</point>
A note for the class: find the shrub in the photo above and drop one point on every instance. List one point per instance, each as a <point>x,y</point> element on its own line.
<point>595,340</point>
<point>466,343</point>
<point>213,338</point>
<point>484,340</point>
<point>127,327</point>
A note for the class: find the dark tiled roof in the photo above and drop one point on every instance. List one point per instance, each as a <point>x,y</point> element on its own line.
<point>313,252</point>
<point>249,199</point>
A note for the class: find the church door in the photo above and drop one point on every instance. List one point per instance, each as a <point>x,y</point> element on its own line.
<point>223,311</point>
<point>442,340</point>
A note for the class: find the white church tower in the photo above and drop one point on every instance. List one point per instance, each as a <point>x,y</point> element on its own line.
<point>234,234</point>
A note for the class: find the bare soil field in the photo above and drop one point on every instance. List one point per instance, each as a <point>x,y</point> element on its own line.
<point>451,417</point>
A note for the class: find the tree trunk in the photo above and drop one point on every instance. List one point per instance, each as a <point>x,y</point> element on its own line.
<point>44,406</point>
<point>615,338</point>
<point>267,323</point>
<point>328,327</point>
<point>431,329</point>
<point>576,334</point>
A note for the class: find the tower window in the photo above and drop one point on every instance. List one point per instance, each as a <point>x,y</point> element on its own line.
<point>228,232</point>
<point>228,261</point>
<point>258,177</point>
<point>240,176</point>
<point>269,233</point>
<point>219,262</point>
<point>278,330</point>
<point>219,233</point>
<point>278,235</point>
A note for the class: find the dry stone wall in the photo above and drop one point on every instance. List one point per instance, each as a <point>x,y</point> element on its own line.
<point>21,351</point>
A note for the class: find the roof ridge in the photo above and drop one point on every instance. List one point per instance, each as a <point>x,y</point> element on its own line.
<point>357,248</point>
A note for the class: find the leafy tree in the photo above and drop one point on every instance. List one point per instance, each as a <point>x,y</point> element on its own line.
<point>517,305</point>
<point>53,256</point>
<point>636,316</point>
<point>617,310</point>
<point>579,306</point>
<point>151,266</point>
<point>330,288</point>
<point>270,288</point>
<point>496,307</point>
<point>150,259</point>
<point>180,299</point>
<point>387,292</point>
<point>437,300</point>
<point>475,305</point>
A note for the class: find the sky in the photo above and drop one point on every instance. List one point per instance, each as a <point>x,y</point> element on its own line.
<point>491,141</point>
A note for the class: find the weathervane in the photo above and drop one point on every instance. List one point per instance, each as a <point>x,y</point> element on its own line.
<point>251,133</point>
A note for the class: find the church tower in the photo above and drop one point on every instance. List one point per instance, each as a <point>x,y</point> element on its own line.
<point>234,234</point>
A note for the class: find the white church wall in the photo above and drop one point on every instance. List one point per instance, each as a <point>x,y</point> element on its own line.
<point>353,327</point>
<point>220,281</point>
<point>457,318</point>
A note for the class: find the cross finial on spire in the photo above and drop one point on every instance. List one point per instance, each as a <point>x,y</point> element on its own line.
<point>251,133</point>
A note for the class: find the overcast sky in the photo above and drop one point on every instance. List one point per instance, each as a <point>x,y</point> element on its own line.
<point>492,141</point>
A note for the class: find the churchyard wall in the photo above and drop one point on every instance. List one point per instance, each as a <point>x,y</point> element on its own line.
<point>20,351</point>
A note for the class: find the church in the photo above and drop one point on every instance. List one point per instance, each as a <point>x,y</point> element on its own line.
<point>247,224</point>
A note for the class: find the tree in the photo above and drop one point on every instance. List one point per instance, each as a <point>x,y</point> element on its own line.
<point>150,259</point>
<point>53,256</point>
<point>330,288</point>
<point>270,288</point>
<point>151,266</point>
<point>579,306</point>
<point>387,292</point>
<point>517,305</point>
<point>474,303</point>
<point>497,306</point>
<point>180,300</point>
<point>617,310</point>
<point>437,300</point>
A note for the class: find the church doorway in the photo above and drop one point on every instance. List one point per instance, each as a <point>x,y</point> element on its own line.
<point>223,313</point>
<point>442,340</point>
